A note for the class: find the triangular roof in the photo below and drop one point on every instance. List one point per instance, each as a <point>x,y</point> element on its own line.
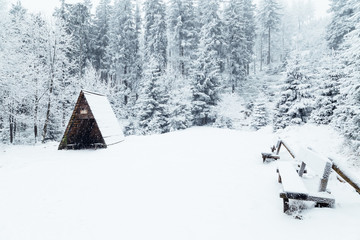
<point>92,124</point>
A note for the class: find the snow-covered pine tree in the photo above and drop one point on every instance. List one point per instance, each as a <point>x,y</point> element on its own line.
<point>180,96</point>
<point>236,47</point>
<point>123,49</point>
<point>184,35</point>
<point>250,28</point>
<point>138,65</point>
<point>295,104</point>
<point>153,113</point>
<point>288,25</point>
<point>183,40</point>
<point>269,19</point>
<point>77,17</point>
<point>341,23</point>
<point>210,65</point>
<point>155,38</point>
<point>121,40</point>
<point>239,32</point>
<point>329,89</point>
<point>259,116</point>
<point>200,11</point>
<point>347,115</point>
<point>101,38</point>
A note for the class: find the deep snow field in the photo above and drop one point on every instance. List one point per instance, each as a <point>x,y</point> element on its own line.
<point>201,183</point>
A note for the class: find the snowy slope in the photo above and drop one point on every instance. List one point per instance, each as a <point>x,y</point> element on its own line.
<point>201,183</point>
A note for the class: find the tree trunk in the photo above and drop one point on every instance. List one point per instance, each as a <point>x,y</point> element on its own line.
<point>126,99</point>
<point>282,57</point>
<point>63,114</point>
<point>36,116</point>
<point>47,117</point>
<point>11,121</point>
<point>51,86</point>
<point>35,124</point>
<point>269,47</point>
<point>182,64</point>
<point>261,52</point>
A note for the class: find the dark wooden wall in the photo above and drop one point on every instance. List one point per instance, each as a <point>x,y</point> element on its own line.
<point>82,130</point>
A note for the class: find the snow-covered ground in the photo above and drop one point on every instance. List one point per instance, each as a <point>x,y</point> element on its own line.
<point>201,183</point>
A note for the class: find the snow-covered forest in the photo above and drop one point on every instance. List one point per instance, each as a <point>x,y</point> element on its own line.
<point>170,65</point>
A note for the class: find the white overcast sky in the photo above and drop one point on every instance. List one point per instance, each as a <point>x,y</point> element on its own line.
<point>47,6</point>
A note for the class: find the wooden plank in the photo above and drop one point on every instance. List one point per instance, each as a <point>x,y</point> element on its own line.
<point>266,156</point>
<point>270,155</point>
<point>324,198</point>
<point>292,184</point>
<point>325,178</point>
<point>302,169</point>
<point>336,168</point>
<point>320,165</point>
<point>281,142</point>
<point>288,149</point>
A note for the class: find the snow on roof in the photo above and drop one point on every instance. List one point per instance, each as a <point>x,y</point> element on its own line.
<point>105,118</point>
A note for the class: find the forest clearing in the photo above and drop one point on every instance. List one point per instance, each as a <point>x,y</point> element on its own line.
<point>200,183</point>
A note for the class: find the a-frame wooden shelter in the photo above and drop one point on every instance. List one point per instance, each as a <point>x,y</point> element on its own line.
<point>93,124</point>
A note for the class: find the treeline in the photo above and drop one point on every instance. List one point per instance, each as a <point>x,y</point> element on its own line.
<point>322,75</point>
<point>162,72</point>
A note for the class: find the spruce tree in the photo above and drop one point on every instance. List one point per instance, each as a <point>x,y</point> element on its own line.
<point>184,35</point>
<point>269,19</point>
<point>329,89</point>
<point>77,17</point>
<point>101,32</point>
<point>346,116</point>
<point>250,28</point>
<point>210,65</point>
<point>153,111</point>
<point>259,116</point>
<point>155,38</point>
<point>138,64</point>
<point>296,101</point>
<point>341,23</point>
<point>239,32</point>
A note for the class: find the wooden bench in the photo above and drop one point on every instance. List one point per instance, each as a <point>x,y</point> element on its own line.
<point>293,186</point>
<point>71,146</point>
<point>98,145</point>
<point>275,155</point>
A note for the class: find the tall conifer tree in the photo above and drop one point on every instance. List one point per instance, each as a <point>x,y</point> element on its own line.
<point>210,65</point>
<point>269,18</point>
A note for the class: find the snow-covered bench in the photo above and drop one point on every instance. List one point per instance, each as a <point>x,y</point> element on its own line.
<point>293,181</point>
<point>275,155</point>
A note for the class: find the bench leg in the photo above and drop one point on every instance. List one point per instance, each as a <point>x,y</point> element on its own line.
<point>286,204</point>
<point>322,205</point>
